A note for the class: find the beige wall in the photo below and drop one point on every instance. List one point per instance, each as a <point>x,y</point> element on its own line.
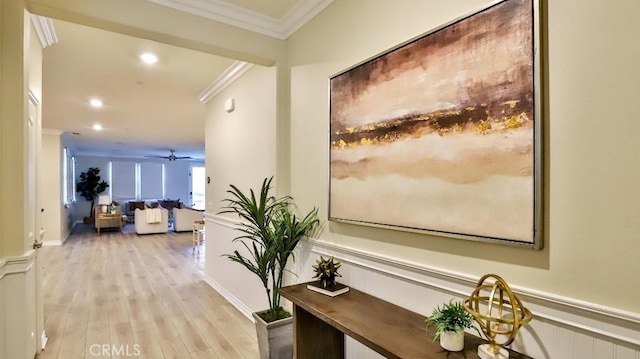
<point>240,150</point>
<point>591,167</point>
<point>18,151</point>
<point>147,20</point>
<point>13,129</point>
<point>52,188</point>
<point>240,147</point>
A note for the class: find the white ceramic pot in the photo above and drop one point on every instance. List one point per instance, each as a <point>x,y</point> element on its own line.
<point>452,341</point>
<point>275,339</point>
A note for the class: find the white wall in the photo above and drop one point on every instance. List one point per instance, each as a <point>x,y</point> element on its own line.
<point>240,150</point>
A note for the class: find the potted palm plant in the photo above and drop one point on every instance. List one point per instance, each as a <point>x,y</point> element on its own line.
<point>270,231</point>
<point>450,321</point>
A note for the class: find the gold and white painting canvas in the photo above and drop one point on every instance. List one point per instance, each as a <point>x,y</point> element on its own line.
<point>440,134</point>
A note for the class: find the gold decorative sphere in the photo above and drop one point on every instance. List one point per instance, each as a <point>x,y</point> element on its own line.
<point>499,313</point>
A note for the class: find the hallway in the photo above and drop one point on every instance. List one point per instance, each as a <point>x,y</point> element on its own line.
<point>120,295</point>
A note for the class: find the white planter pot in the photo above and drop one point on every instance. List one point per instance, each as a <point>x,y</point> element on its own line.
<point>452,341</point>
<point>275,339</point>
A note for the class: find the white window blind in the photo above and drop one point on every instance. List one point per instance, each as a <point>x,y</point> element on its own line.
<point>123,180</point>
<point>74,184</point>
<point>151,180</point>
<point>68,177</point>
<point>65,175</point>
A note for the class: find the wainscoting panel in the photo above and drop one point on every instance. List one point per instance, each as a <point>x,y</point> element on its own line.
<point>234,282</point>
<point>17,307</point>
<point>563,328</point>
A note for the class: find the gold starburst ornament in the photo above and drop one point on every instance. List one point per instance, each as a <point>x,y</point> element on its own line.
<point>499,313</point>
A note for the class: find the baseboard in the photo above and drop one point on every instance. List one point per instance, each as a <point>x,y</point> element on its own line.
<point>229,297</point>
<point>52,243</point>
<point>581,316</point>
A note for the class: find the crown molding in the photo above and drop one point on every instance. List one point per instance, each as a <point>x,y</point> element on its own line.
<point>45,30</point>
<point>300,14</point>
<point>232,73</point>
<point>218,10</point>
<point>52,131</point>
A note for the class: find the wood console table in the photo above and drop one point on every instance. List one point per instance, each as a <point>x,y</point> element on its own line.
<point>320,323</point>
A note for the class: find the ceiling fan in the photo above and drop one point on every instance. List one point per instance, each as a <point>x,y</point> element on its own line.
<point>172,156</point>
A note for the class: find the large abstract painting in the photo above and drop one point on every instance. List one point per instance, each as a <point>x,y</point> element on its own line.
<point>442,134</point>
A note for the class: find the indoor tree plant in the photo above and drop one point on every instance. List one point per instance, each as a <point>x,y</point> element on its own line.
<point>270,233</point>
<point>450,321</point>
<point>91,185</point>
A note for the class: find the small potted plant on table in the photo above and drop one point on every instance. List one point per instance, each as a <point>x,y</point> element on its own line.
<point>450,322</point>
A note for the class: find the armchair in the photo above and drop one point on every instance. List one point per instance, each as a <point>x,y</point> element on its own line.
<point>145,221</point>
<point>183,218</point>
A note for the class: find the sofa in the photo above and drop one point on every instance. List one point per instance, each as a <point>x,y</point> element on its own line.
<point>130,208</point>
<point>183,218</point>
<point>145,222</point>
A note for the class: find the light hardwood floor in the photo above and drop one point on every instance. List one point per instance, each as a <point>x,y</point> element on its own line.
<point>120,295</point>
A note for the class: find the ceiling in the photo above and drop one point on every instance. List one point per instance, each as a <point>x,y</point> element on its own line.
<point>147,110</point>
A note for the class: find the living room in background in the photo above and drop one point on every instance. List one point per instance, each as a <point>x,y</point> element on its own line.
<point>197,187</point>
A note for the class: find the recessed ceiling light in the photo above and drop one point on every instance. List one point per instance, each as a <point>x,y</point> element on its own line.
<point>149,58</point>
<point>96,102</point>
<point>97,127</point>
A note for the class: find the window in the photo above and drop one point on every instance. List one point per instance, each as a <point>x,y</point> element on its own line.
<point>123,180</point>
<point>151,180</point>
<point>136,180</point>
<point>197,187</point>
<point>74,184</point>
<point>68,177</point>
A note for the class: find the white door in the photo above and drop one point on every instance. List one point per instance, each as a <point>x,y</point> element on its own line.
<point>37,335</point>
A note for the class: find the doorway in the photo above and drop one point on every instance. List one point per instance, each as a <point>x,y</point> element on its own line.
<point>197,187</point>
